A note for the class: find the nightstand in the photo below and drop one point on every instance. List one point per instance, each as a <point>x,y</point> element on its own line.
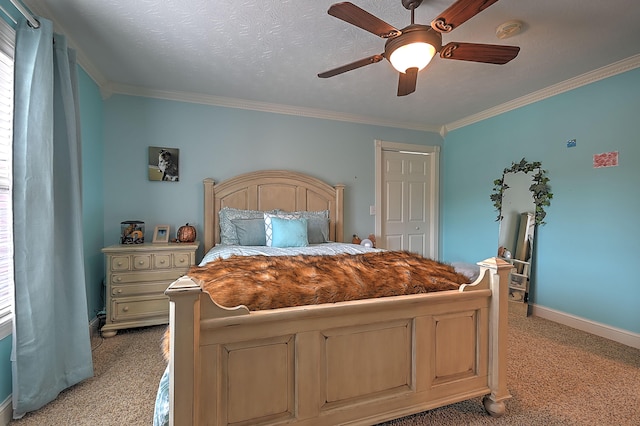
<point>137,276</point>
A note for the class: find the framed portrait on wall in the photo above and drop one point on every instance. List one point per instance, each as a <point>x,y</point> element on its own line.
<point>163,164</point>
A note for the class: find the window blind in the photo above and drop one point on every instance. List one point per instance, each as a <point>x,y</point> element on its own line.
<point>7,45</point>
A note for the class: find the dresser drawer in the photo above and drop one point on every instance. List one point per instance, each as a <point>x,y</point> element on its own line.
<point>136,277</point>
<point>183,260</point>
<point>162,261</point>
<point>139,307</point>
<point>136,289</point>
<point>120,263</point>
<point>141,262</point>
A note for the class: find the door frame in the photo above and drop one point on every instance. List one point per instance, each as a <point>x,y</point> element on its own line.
<point>433,152</point>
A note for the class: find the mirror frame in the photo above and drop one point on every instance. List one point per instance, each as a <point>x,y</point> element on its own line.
<point>539,188</point>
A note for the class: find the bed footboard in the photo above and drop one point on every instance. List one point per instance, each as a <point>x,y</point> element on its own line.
<point>358,362</point>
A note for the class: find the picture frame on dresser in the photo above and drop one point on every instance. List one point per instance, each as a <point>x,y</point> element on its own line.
<point>161,234</point>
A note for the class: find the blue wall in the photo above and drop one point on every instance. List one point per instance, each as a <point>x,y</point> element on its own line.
<point>92,124</point>
<point>222,142</point>
<point>585,263</point>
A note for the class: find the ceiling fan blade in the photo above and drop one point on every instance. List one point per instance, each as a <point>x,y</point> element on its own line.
<point>352,14</point>
<point>407,82</point>
<point>476,52</point>
<point>352,66</point>
<point>458,13</point>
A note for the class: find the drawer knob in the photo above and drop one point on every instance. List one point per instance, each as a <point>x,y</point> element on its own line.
<point>118,279</point>
<point>119,263</point>
<point>181,260</point>
<point>162,262</point>
<point>125,309</point>
<point>119,291</point>
<point>141,262</point>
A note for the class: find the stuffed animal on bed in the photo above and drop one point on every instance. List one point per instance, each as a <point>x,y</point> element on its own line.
<point>372,238</point>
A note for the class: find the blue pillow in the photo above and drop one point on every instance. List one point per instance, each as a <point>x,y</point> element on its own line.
<point>250,232</point>
<point>228,234</point>
<point>289,232</point>
<point>317,230</point>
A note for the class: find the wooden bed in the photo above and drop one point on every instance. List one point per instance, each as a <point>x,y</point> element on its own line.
<point>359,362</point>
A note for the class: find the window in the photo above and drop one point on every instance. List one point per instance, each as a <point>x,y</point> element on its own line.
<point>7,44</point>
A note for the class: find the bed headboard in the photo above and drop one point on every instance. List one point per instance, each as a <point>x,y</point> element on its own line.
<point>268,190</point>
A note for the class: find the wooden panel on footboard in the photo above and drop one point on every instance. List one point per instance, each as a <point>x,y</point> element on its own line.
<point>358,362</point>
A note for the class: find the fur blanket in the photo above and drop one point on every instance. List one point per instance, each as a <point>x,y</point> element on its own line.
<point>270,282</point>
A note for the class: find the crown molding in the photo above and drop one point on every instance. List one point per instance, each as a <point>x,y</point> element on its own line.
<point>573,83</point>
<point>115,88</point>
<point>599,74</point>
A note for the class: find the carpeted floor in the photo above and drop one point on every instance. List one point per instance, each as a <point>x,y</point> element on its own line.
<point>556,375</point>
<point>127,370</point>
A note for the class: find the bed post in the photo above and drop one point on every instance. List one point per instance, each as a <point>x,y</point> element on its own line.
<point>209,226</point>
<point>184,309</point>
<point>339,213</point>
<point>498,327</point>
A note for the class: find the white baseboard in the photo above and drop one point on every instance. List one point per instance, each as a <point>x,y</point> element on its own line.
<point>93,326</point>
<point>616,334</point>
<point>6,411</point>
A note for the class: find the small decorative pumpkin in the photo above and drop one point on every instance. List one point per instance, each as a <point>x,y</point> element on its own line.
<point>186,234</point>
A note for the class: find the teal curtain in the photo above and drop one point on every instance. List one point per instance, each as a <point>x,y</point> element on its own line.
<point>51,342</point>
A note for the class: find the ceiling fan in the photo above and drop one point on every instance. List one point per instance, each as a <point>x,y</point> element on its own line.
<point>411,48</point>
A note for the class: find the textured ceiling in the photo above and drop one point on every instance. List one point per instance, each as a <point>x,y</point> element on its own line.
<point>268,53</point>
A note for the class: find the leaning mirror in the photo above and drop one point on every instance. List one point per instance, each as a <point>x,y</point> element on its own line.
<point>520,197</point>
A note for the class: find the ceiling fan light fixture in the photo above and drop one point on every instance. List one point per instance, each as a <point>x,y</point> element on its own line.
<point>414,48</point>
<point>412,55</point>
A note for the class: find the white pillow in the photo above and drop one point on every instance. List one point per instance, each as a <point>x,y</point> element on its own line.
<point>268,227</point>
<point>469,270</point>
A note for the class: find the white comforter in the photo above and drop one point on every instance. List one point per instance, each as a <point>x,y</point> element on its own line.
<point>224,252</point>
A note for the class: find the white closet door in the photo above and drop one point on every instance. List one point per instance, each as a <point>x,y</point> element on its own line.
<point>408,199</point>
